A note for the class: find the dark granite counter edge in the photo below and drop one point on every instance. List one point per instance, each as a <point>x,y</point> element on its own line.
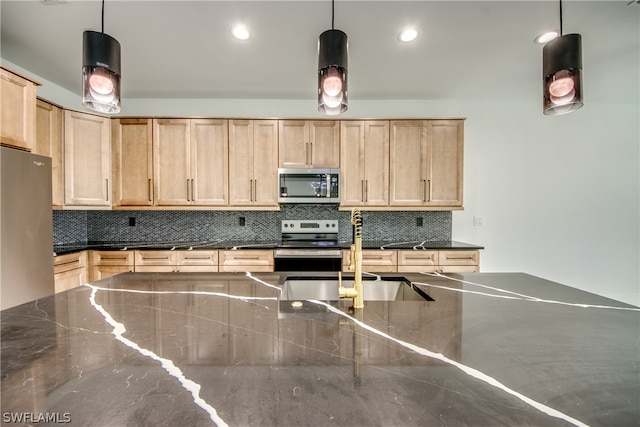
<point>226,245</point>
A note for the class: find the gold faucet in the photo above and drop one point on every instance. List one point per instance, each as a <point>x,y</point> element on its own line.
<point>355,264</point>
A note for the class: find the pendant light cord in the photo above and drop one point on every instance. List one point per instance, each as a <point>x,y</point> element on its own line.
<point>332,12</point>
<point>102,16</point>
<point>560,17</point>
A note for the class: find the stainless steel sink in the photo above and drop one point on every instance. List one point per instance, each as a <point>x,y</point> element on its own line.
<point>325,288</point>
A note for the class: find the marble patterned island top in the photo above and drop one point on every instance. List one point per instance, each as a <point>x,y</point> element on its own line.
<point>192,349</point>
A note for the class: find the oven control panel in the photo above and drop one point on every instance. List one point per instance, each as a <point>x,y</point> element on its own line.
<point>309,226</point>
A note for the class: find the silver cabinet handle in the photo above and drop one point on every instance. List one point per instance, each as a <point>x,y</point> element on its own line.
<point>193,194</point>
<point>149,189</point>
<point>429,189</point>
<point>310,153</point>
<point>362,190</point>
<point>366,190</point>
<point>107,182</point>
<point>188,199</point>
<point>424,190</point>
<point>255,190</point>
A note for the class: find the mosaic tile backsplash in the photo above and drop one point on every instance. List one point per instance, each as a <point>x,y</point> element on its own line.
<point>260,226</point>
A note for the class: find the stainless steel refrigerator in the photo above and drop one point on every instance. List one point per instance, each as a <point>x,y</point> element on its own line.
<point>26,237</point>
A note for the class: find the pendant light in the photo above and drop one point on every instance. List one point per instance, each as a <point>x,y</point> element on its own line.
<point>562,73</point>
<point>332,70</point>
<point>100,71</point>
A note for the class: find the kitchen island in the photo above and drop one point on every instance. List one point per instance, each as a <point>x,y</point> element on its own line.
<point>198,349</point>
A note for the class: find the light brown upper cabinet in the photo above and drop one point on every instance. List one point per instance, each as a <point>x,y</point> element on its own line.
<point>190,162</point>
<point>426,163</point>
<point>87,160</point>
<point>17,110</point>
<point>309,144</point>
<point>49,138</point>
<point>364,154</point>
<point>132,162</point>
<point>253,163</point>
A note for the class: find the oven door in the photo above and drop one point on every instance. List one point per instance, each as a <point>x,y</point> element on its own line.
<point>307,260</point>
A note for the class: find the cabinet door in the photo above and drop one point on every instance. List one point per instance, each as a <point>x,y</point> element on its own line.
<point>49,138</point>
<point>324,144</point>
<point>265,162</point>
<point>209,162</point>
<point>99,272</point>
<point>17,110</point>
<point>171,158</point>
<point>408,183</point>
<point>444,173</point>
<point>70,279</point>
<point>241,162</point>
<point>365,154</point>
<point>293,140</point>
<point>376,163</point>
<point>352,159</point>
<point>87,159</point>
<point>246,260</point>
<point>132,162</point>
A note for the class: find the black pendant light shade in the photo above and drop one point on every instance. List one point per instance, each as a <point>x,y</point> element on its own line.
<point>562,74</point>
<point>332,72</point>
<point>100,72</point>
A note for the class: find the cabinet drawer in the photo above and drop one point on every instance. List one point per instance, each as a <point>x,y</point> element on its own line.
<point>375,260</point>
<point>459,258</point>
<point>111,257</point>
<point>203,258</point>
<point>67,262</point>
<point>70,279</point>
<point>156,268</point>
<point>246,257</point>
<point>99,272</point>
<point>156,258</point>
<point>374,257</point>
<point>417,257</point>
<point>197,269</point>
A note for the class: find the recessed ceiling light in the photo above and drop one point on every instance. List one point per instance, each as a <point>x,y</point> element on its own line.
<point>546,37</point>
<point>240,32</point>
<point>408,34</point>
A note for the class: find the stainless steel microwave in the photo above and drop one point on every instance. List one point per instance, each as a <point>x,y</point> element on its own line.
<point>309,185</point>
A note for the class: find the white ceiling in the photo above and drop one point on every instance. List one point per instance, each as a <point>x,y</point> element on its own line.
<point>466,49</point>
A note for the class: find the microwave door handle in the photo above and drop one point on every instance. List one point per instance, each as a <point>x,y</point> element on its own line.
<point>328,185</point>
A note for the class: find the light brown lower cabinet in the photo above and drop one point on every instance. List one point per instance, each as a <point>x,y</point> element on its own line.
<point>154,261</point>
<point>374,260</point>
<point>70,271</point>
<point>109,263</point>
<point>416,261</point>
<point>442,261</point>
<point>257,260</point>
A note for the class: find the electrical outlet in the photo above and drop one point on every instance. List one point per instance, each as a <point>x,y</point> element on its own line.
<point>241,221</point>
<point>419,221</point>
<point>132,221</point>
<point>477,221</point>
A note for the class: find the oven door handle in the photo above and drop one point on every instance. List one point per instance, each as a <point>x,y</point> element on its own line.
<point>307,253</point>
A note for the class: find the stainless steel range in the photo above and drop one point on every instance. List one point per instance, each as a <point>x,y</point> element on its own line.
<point>309,245</point>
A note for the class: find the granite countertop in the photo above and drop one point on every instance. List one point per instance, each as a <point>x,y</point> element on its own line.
<point>220,349</point>
<point>243,244</point>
